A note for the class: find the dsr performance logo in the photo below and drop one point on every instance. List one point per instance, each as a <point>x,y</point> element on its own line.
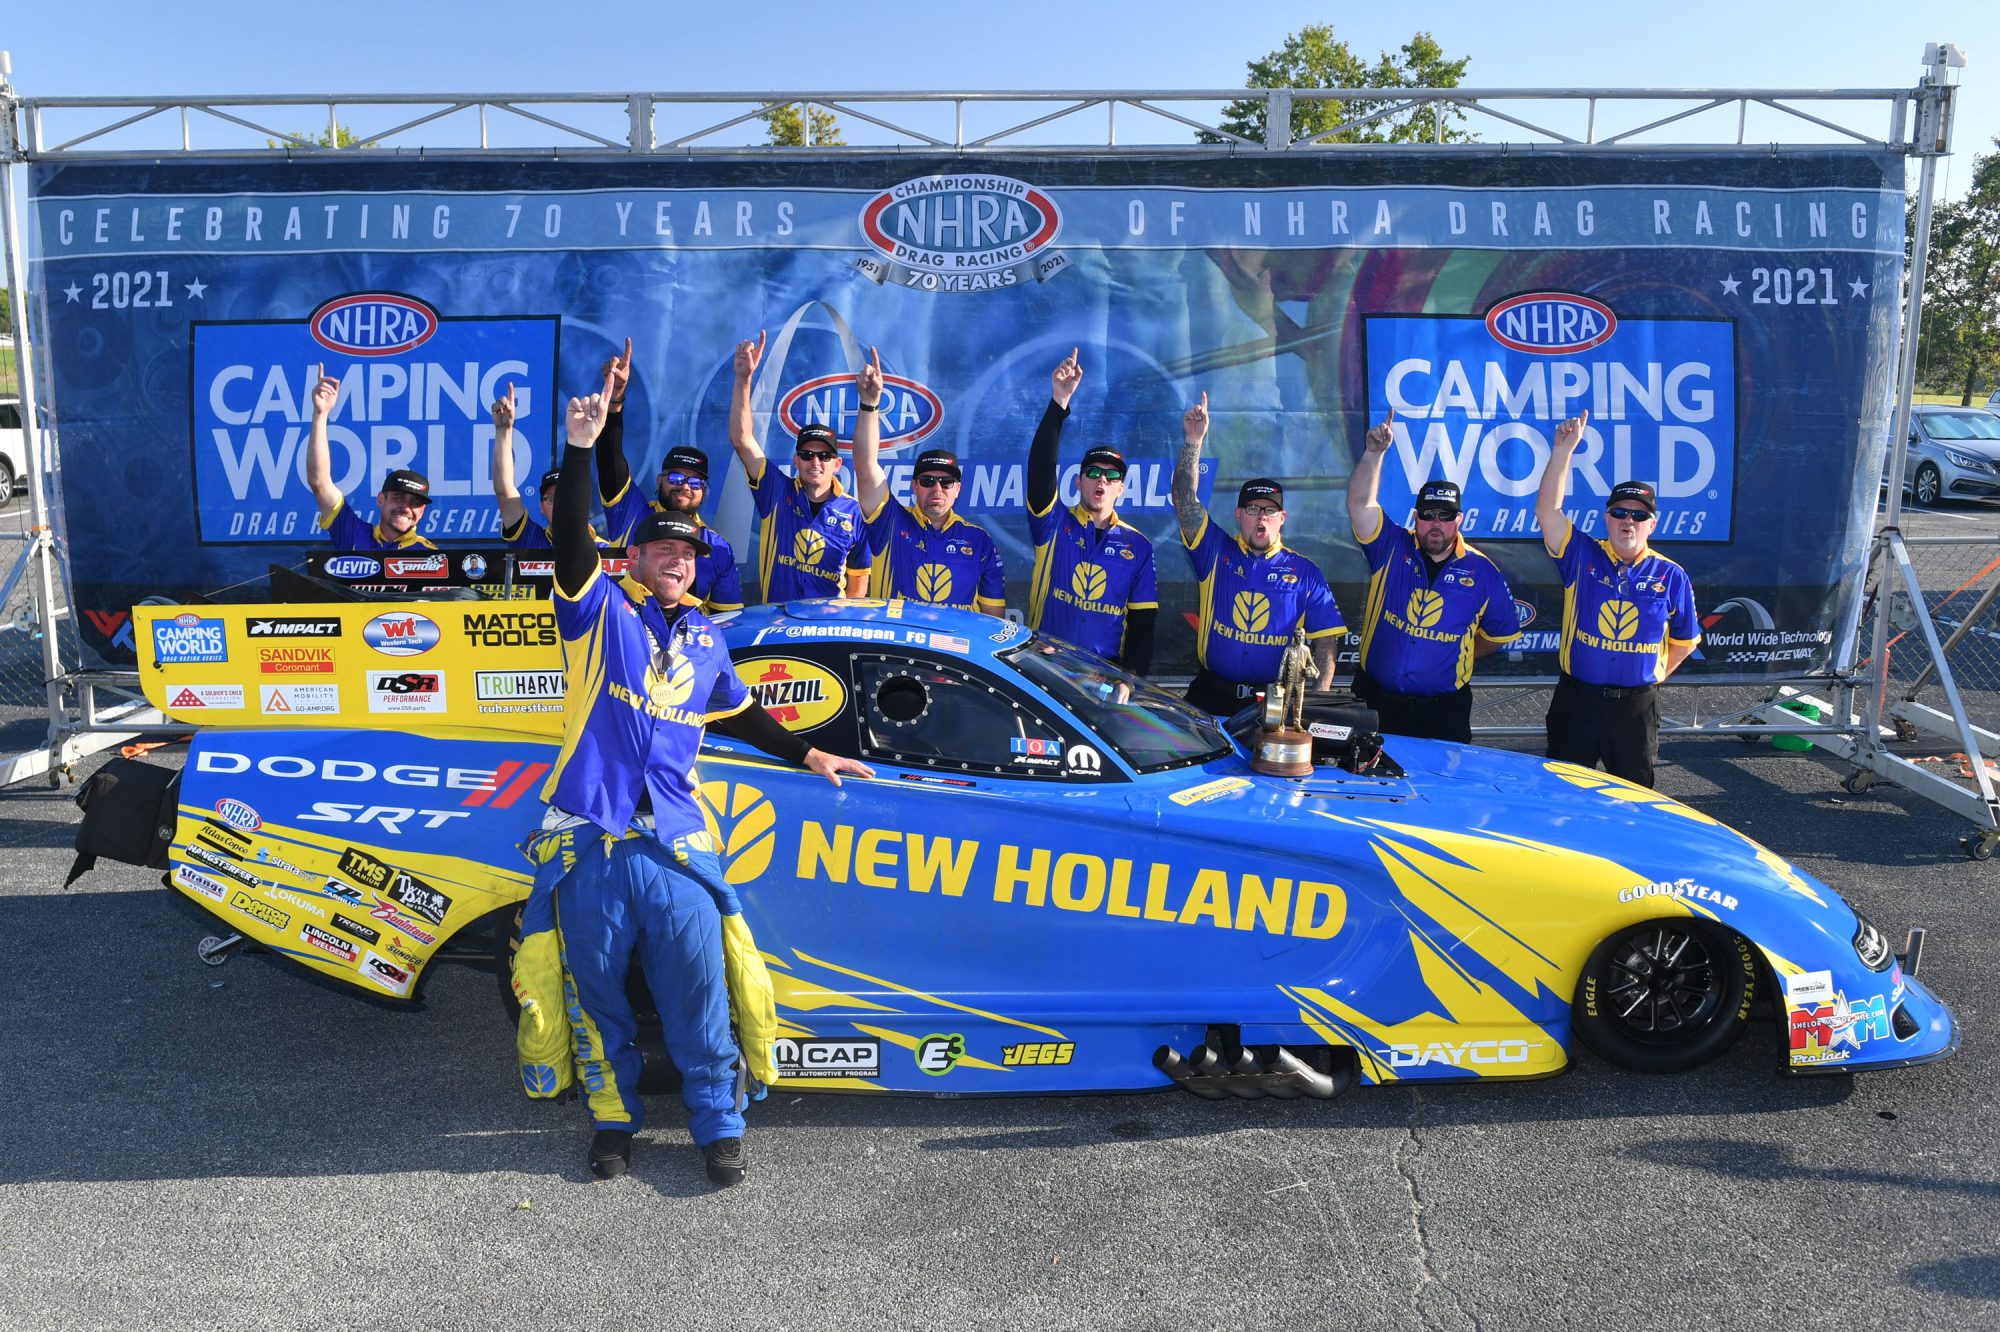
<point>964,232</point>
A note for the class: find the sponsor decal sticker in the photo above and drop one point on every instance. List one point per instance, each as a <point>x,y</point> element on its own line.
<point>278,700</point>
<point>188,877</point>
<point>414,895</point>
<point>317,626</point>
<point>1207,791</point>
<point>189,639</point>
<point>396,920</point>
<point>330,944</point>
<point>391,977</point>
<point>404,633</point>
<point>364,869</point>
<point>511,629</point>
<point>1684,888</point>
<point>220,863</point>
<point>519,691</point>
<point>406,691</point>
<point>226,840</point>
<point>353,566</point>
<point>259,910</point>
<point>191,697</point>
<point>819,1057</point>
<point>435,565</point>
<point>1809,987</point>
<point>237,815</point>
<point>939,1054</point>
<point>800,695</point>
<point>1037,1053</point>
<point>295,660</point>
<point>365,933</point>
<point>1462,1054</point>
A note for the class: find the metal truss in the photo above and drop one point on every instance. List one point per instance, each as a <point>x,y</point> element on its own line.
<point>697,124</point>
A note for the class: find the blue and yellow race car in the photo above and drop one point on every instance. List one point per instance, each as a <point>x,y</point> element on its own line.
<point>1063,879</point>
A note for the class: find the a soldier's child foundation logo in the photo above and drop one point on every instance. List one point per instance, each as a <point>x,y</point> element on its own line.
<point>962,232</point>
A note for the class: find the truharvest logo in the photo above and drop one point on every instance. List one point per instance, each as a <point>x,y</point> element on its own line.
<point>968,232</point>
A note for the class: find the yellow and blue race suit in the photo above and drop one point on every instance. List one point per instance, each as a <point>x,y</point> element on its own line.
<point>1251,601</point>
<point>1420,622</point>
<point>954,563</point>
<point>1619,619</point>
<point>802,546</point>
<point>349,532</point>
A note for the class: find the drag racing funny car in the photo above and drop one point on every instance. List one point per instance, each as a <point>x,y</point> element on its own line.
<point>1060,879</point>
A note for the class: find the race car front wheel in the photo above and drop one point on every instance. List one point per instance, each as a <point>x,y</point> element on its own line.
<point>1666,995</point>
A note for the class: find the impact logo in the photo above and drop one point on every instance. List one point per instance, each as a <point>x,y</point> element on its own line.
<point>1551,323</point>
<point>909,411</point>
<point>742,825</point>
<point>1251,612</point>
<point>969,232</point>
<point>373,324</point>
<point>401,634</point>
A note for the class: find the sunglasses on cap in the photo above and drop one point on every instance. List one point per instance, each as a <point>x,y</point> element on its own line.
<point>1630,515</point>
<point>1097,473</point>
<point>692,480</point>
<point>1437,515</point>
<point>818,455</point>
<point>937,479</point>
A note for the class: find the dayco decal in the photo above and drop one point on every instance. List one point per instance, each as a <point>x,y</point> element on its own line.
<point>256,910</point>
<point>798,694</point>
<point>1037,1052</point>
<point>1070,880</point>
<point>364,869</point>
<point>295,660</point>
<point>331,944</point>
<point>1687,888</point>
<point>314,627</point>
<point>511,629</point>
<point>1513,1051</point>
<point>824,1058</point>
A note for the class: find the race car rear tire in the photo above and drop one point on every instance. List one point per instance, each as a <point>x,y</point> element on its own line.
<point>1665,996</point>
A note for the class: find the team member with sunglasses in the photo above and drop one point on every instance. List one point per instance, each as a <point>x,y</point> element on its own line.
<point>1094,582</point>
<point>923,551</point>
<point>809,526</point>
<point>1254,590</point>
<point>680,488</point>
<point>1628,621</point>
<point>1435,605</point>
<point>401,501</point>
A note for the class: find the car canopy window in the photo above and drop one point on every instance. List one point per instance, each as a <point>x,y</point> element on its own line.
<point>1151,728</point>
<point>923,712</point>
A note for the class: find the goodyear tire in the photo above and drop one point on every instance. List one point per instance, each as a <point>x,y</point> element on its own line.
<point>1666,995</point>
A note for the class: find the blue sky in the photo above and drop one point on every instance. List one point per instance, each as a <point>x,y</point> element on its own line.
<point>420,46</point>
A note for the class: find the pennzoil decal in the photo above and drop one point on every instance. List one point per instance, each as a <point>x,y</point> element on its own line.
<point>799,695</point>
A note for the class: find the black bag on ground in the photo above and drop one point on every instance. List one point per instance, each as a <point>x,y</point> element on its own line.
<point>129,812</point>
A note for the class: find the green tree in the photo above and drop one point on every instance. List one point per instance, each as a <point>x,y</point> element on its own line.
<point>1960,348</point>
<point>786,127</point>
<point>1314,58</point>
<point>338,137</point>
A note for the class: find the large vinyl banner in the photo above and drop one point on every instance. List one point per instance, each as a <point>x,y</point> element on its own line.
<point>1727,320</point>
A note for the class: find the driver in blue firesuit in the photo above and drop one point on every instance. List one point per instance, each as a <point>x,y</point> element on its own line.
<point>625,859</point>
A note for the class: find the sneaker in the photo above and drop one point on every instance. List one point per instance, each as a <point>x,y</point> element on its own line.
<point>610,1153</point>
<point>726,1162</point>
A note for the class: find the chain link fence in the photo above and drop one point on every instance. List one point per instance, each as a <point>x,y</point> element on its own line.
<point>1960,578</point>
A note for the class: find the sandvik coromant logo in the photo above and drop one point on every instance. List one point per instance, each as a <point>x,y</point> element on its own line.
<point>961,232</point>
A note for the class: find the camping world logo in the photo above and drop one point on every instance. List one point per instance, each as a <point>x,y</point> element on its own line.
<point>1250,611</point>
<point>962,232</point>
<point>1617,620</point>
<point>908,411</point>
<point>934,583</point>
<point>743,824</point>
<point>1424,609</point>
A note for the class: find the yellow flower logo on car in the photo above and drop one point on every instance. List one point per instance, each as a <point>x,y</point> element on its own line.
<point>1426,608</point>
<point>808,545</point>
<point>1087,580</point>
<point>743,823</point>
<point>933,583</point>
<point>1618,620</point>
<point>1251,611</point>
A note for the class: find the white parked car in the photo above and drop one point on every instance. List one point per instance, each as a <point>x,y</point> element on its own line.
<point>13,448</point>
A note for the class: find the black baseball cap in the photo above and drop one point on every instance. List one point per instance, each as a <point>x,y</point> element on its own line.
<point>549,479</point>
<point>1633,492</point>
<point>818,434</point>
<point>669,526</point>
<point>1260,488</point>
<point>1438,495</point>
<point>686,458</point>
<point>404,481</point>
<point>1101,456</point>
<point>938,460</point>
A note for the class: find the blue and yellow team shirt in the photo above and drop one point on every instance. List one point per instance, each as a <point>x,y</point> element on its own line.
<point>531,535</point>
<point>801,553</point>
<point>717,586</point>
<point>1619,619</point>
<point>1251,603</point>
<point>955,565</point>
<point>1087,577</point>
<point>642,685</point>
<point>350,533</point>
<point>1418,628</point>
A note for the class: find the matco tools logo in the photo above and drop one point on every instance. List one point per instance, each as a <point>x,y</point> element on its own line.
<point>966,232</point>
<point>909,411</point>
<point>1551,323</point>
<point>373,323</point>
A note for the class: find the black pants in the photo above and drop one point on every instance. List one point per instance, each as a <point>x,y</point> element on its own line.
<point>1214,694</point>
<point>1621,727</point>
<point>1426,716</point>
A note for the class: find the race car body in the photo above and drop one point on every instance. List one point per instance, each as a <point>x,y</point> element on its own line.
<point>1063,880</point>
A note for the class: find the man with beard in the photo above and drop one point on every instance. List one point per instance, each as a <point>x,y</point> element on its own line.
<point>1094,584</point>
<point>1254,590</point>
<point>401,501</point>
<point>680,488</point>
<point>1435,605</point>
<point>922,551</point>
<point>1628,621</point>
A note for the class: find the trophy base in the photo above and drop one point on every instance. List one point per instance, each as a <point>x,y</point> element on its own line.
<point>1283,753</point>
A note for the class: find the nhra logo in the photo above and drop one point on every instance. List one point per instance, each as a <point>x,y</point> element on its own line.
<point>373,324</point>
<point>960,224</point>
<point>909,411</point>
<point>742,825</point>
<point>1251,612</point>
<point>1550,323</point>
<point>189,638</point>
<point>353,566</point>
<point>417,566</point>
<point>798,694</point>
<point>238,815</point>
<point>1524,612</point>
<point>401,634</point>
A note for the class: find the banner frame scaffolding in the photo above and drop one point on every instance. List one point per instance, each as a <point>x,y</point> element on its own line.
<point>91,709</point>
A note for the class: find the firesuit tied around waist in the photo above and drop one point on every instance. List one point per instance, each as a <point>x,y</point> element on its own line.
<point>561,980</point>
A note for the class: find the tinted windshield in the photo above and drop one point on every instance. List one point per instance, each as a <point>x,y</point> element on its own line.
<point>1143,722</point>
<point>1961,425</point>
